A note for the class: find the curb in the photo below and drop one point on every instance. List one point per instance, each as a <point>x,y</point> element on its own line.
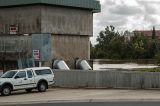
<point>43,102</point>
<point>79,101</point>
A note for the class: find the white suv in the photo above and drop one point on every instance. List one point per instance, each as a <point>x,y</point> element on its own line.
<point>30,78</point>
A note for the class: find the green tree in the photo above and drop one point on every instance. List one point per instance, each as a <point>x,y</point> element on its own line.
<point>115,47</point>
<point>112,45</point>
<point>108,42</point>
<point>93,51</point>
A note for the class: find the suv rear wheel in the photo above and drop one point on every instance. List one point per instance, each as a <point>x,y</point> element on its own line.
<point>6,91</point>
<point>42,86</point>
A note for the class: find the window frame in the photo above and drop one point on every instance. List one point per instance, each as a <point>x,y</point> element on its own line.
<point>41,72</point>
<point>31,73</point>
<point>21,72</point>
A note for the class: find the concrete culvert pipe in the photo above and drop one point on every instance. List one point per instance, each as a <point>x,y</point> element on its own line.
<point>83,64</point>
<point>60,64</point>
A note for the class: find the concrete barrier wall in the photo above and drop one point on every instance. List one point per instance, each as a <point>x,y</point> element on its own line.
<point>107,79</point>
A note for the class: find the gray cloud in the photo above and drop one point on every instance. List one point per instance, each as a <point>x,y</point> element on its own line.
<point>111,22</point>
<point>123,15</point>
<point>125,10</point>
<point>149,7</point>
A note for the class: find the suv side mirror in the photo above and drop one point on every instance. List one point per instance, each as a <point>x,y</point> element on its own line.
<point>16,77</point>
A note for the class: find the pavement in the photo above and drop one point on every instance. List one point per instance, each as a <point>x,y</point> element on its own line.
<point>59,95</point>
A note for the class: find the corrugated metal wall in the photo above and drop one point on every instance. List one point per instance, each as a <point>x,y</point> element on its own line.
<point>15,44</point>
<point>107,79</point>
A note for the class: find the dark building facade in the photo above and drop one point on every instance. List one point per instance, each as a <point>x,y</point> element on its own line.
<point>33,31</point>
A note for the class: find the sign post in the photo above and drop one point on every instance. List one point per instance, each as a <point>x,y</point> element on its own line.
<point>36,55</point>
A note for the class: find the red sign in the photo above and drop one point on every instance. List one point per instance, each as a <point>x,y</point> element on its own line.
<point>13,29</point>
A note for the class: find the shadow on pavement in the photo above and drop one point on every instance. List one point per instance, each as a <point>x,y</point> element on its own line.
<point>15,93</point>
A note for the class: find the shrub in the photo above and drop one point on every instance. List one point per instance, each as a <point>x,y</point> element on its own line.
<point>157,58</point>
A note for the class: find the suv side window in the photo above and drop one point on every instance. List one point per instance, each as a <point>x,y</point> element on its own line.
<point>43,72</point>
<point>29,73</point>
<point>21,74</point>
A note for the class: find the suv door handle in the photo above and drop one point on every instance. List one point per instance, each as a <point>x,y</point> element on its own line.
<point>25,78</point>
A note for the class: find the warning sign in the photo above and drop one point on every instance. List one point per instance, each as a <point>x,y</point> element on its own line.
<point>13,29</point>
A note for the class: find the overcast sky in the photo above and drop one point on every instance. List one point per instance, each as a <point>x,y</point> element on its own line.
<point>127,15</point>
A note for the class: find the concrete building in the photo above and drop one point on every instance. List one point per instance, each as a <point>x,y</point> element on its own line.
<point>128,35</point>
<point>148,33</point>
<point>33,31</point>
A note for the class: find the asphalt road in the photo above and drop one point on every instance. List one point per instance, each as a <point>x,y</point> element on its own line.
<point>96,104</point>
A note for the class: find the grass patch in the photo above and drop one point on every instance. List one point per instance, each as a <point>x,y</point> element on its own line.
<point>148,69</point>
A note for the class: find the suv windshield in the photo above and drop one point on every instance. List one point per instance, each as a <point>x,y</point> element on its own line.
<point>9,74</point>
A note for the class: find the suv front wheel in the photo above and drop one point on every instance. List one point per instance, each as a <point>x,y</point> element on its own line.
<point>6,91</point>
<point>42,86</point>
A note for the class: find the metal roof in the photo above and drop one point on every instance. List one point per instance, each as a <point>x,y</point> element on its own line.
<point>86,4</point>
